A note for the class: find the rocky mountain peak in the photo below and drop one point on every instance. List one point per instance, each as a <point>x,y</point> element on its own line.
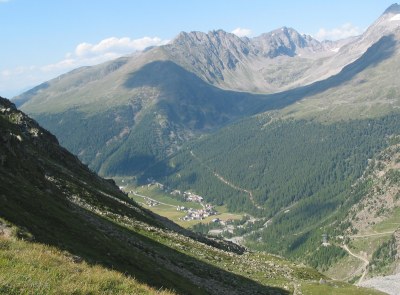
<point>212,38</point>
<point>284,41</point>
<point>219,32</point>
<point>391,15</point>
<point>211,52</point>
<point>386,24</point>
<point>394,8</point>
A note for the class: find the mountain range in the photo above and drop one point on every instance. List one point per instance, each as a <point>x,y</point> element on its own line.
<point>289,123</point>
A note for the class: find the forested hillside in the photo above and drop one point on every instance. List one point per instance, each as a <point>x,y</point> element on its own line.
<point>280,162</point>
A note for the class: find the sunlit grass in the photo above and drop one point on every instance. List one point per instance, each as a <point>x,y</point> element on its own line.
<point>31,268</point>
<point>390,224</point>
<point>344,268</point>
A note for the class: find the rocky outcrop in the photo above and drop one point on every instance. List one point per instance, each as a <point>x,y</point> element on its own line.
<point>211,54</point>
<point>217,55</point>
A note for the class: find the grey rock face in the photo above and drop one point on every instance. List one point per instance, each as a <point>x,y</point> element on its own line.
<point>228,61</point>
<point>211,53</point>
<point>274,61</point>
<point>285,41</point>
<point>394,8</point>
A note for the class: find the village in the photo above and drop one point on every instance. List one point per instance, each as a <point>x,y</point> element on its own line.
<point>197,214</point>
<point>191,213</point>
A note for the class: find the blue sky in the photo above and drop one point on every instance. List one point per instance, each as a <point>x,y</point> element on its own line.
<point>41,39</point>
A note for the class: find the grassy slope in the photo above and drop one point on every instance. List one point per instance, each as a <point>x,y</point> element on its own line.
<point>45,207</point>
<point>33,268</point>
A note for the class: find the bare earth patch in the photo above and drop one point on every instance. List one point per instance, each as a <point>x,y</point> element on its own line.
<point>388,284</point>
<point>5,230</point>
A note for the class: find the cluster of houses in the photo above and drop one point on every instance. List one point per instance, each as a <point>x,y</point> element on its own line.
<point>199,214</point>
<point>194,214</point>
<point>191,213</point>
<point>151,203</point>
<point>188,196</point>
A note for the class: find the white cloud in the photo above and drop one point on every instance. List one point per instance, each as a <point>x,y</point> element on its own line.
<point>344,31</point>
<point>117,46</point>
<point>13,81</point>
<point>107,49</point>
<point>241,32</point>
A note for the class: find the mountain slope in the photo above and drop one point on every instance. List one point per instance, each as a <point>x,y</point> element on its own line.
<point>48,197</point>
<point>161,106</point>
<point>341,97</point>
<point>370,222</point>
<point>351,50</point>
<point>363,89</point>
<point>47,191</point>
<point>367,225</point>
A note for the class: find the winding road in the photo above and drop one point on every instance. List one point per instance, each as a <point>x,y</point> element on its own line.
<point>365,260</point>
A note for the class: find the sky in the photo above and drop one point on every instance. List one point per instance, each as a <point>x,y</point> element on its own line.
<point>41,39</point>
